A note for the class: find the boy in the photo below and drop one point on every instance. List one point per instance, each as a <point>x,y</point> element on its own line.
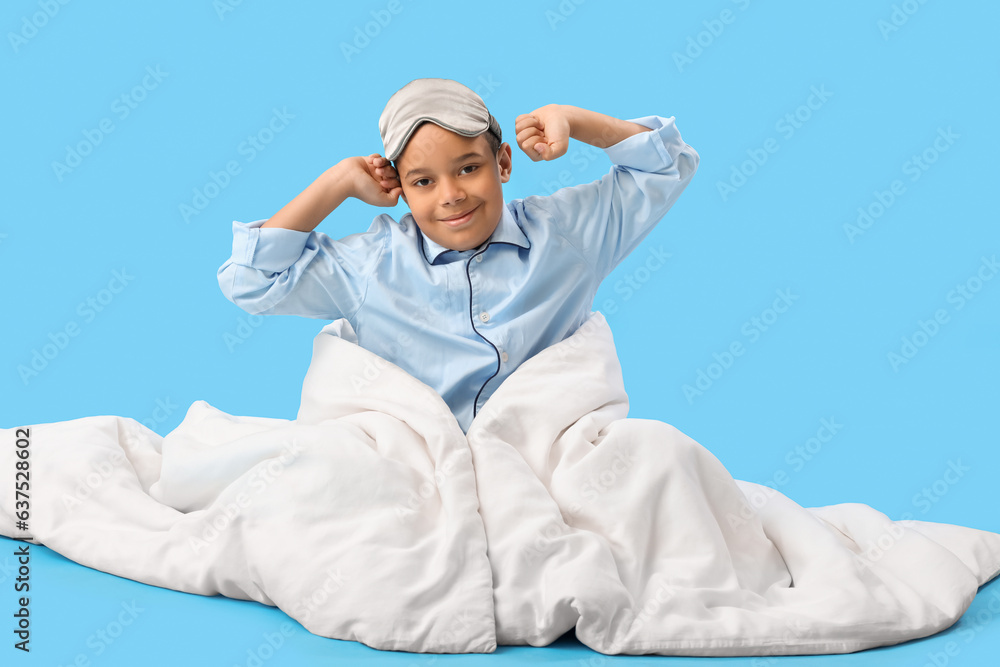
<point>465,287</point>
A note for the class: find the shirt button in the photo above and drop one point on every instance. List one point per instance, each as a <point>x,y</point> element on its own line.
<point>484,316</point>
<point>503,357</point>
<point>479,257</point>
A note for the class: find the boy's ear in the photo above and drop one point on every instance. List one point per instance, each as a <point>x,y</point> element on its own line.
<point>395,167</point>
<point>504,162</point>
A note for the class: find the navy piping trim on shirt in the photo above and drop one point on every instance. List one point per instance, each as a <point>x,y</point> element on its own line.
<point>420,242</point>
<point>472,321</point>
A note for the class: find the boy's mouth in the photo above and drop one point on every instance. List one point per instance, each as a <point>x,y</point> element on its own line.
<point>457,221</point>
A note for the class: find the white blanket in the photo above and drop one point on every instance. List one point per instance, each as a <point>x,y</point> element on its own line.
<point>372,517</point>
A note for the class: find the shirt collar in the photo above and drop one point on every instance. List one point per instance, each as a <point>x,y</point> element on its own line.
<point>507,231</point>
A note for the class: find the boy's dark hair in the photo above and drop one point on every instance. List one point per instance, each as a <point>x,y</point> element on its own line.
<point>492,139</point>
<point>494,142</point>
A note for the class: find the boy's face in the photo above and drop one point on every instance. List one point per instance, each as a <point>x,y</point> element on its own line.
<point>445,175</point>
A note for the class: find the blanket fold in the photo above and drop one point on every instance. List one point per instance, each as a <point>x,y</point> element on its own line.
<point>372,517</point>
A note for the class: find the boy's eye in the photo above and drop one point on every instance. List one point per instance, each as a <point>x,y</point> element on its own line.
<point>468,166</point>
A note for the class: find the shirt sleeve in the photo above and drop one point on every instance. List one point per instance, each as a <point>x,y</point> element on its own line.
<point>276,271</point>
<point>607,219</point>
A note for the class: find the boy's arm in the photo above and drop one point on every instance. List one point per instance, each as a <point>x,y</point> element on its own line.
<point>281,267</point>
<point>606,219</point>
<point>370,179</point>
<point>544,133</point>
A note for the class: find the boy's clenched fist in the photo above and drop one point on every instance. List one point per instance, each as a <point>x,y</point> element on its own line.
<point>544,133</point>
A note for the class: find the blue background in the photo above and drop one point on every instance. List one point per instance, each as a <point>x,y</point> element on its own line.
<point>161,341</point>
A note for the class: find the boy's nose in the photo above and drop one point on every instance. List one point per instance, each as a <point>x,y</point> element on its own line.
<point>451,192</point>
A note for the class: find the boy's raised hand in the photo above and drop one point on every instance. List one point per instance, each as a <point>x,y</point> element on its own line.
<point>374,180</point>
<point>544,133</point>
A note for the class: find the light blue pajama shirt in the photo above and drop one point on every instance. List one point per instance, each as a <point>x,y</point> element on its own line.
<point>462,321</point>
